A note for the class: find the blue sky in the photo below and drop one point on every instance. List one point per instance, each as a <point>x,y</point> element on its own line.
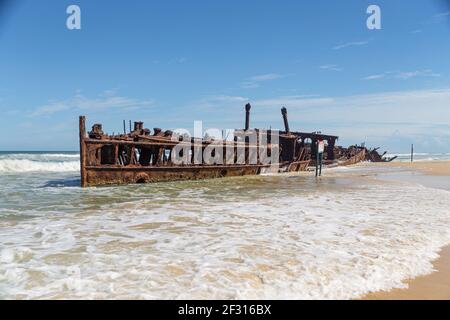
<point>169,63</point>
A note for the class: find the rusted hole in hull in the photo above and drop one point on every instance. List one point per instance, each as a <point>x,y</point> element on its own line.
<point>142,178</point>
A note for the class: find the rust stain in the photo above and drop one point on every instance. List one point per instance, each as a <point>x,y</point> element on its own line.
<point>145,156</point>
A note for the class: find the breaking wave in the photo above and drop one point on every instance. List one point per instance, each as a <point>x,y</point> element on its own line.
<point>39,162</point>
<point>261,238</point>
<point>420,156</point>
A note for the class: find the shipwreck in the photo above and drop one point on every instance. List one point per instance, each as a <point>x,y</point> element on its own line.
<point>144,156</point>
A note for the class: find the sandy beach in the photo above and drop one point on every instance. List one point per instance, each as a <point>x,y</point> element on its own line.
<point>435,286</point>
<point>433,168</point>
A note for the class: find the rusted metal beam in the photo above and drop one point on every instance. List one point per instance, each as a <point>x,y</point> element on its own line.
<point>82,131</point>
<point>166,143</point>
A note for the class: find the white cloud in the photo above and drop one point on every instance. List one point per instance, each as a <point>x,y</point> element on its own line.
<point>350,44</point>
<point>375,76</point>
<point>225,99</point>
<point>266,77</point>
<point>418,106</point>
<point>254,82</point>
<point>178,60</point>
<point>106,100</point>
<point>249,85</point>
<point>437,18</point>
<point>181,60</point>
<point>442,14</point>
<point>403,75</point>
<point>425,107</point>
<point>331,67</point>
<point>413,74</point>
<point>389,119</point>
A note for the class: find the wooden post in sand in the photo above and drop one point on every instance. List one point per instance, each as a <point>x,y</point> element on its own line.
<point>412,152</point>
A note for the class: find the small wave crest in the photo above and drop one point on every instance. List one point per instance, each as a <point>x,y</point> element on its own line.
<point>21,162</point>
<point>16,166</point>
<point>401,157</point>
<point>39,156</point>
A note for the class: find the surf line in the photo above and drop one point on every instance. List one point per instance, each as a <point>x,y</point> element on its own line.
<point>190,310</point>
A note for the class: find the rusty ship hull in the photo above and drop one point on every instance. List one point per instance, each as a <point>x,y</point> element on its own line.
<point>143,156</point>
<point>103,175</point>
<point>138,157</point>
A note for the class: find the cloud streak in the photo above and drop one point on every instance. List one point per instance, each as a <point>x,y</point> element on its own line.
<point>403,75</point>
<point>331,67</point>
<point>390,119</point>
<point>350,44</point>
<point>107,100</point>
<point>255,81</point>
<point>442,14</point>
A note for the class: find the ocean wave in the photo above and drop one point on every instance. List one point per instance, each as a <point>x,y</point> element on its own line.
<point>320,244</point>
<point>407,154</point>
<point>60,155</point>
<point>402,157</point>
<point>40,156</point>
<point>25,165</point>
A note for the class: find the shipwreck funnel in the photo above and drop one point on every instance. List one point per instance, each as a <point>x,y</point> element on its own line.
<point>138,126</point>
<point>285,119</point>
<point>156,131</point>
<point>247,116</point>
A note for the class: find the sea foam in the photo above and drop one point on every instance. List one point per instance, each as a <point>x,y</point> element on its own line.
<point>18,166</point>
<point>251,238</point>
<point>39,162</point>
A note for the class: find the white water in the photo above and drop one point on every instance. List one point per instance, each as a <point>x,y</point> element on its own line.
<point>41,162</point>
<point>419,156</point>
<point>269,237</point>
<point>69,162</point>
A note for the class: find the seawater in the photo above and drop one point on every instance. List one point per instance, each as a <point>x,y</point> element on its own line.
<point>261,237</point>
<point>420,156</point>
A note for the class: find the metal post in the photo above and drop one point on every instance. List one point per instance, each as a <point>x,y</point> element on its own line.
<point>285,119</point>
<point>412,152</point>
<point>247,116</point>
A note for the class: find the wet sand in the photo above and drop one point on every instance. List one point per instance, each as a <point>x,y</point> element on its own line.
<point>435,286</point>
<point>433,168</point>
